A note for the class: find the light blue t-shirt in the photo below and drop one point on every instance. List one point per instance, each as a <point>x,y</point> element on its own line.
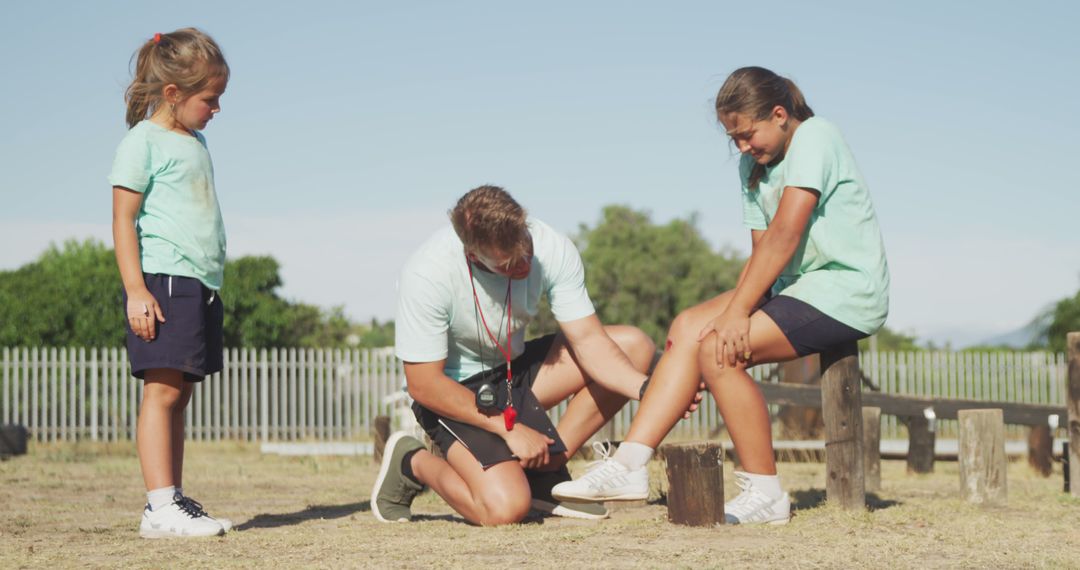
<point>839,267</point>
<point>179,224</point>
<point>437,317</point>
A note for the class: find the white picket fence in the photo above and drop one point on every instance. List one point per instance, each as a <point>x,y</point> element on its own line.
<point>334,395</point>
<point>1035,377</point>
<point>287,394</point>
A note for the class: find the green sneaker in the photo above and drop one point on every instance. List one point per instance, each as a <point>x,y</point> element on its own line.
<point>393,494</point>
<point>541,483</point>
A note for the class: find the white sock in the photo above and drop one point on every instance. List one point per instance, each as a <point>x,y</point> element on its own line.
<point>633,455</point>
<point>768,484</point>
<point>160,497</point>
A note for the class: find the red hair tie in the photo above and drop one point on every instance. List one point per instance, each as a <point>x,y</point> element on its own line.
<point>157,37</point>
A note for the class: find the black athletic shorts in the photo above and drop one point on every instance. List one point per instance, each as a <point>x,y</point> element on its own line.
<point>190,340</point>
<point>807,329</point>
<point>489,448</point>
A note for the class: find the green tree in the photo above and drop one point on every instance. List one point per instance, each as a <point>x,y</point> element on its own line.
<point>255,315</point>
<point>643,274</point>
<point>70,296</point>
<point>887,339</point>
<point>1066,319</point>
<point>374,334</point>
<point>327,329</point>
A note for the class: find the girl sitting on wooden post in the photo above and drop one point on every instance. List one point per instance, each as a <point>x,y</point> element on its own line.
<point>816,278</point>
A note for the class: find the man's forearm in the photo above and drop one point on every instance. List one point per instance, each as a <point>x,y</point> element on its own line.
<point>606,364</point>
<point>450,399</point>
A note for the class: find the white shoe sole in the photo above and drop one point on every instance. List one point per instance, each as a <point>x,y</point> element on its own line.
<point>582,499</point>
<point>388,453</point>
<point>152,533</point>
<point>776,522</point>
<point>561,511</point>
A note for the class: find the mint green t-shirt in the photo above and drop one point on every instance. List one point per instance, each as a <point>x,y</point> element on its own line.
<point>179,224</point>
<point>438,318</point>
<point>839,267</point>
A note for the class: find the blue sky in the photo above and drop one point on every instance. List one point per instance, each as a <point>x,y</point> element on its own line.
<point>348,129</point>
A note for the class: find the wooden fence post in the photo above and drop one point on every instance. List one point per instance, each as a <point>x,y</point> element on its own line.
<point>841,404</point>
<point>381,431</point>
<point>871,421</point>
<point>1073,402</point>
<point>921,439</point>
<point>1041,449</point>
<point>695,474</point>
<point>982,456</point>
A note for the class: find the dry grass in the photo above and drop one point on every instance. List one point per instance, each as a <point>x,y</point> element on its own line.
<point>78,506</point>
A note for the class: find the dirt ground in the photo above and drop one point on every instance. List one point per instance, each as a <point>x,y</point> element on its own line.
<point>78,505</point>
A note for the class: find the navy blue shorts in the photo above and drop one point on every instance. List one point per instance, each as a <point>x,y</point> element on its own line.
<point>807,329</point>
<point>190,340</point>
<point>489,448</point>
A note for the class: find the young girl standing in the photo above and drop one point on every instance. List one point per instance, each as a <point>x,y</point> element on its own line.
<point>816,278</point>
<point>170,248</point>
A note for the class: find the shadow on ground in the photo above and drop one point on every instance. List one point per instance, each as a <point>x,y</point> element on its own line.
<point>311,512</point>
<point>813,498</point>
<point>327,512</point>
<point>533,518</point>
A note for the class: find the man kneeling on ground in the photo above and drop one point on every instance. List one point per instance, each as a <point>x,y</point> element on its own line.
<point>481,392</point>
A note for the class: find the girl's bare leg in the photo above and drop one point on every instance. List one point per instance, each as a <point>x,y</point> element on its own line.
<point>162,395</point>
<point>740,400</point>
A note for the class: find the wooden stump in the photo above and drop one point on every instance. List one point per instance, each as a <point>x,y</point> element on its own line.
<point>920,456</point>
<point>982,456</point>
<point>801,422</point>
<point>1073,403</point>
<point>695,474</point>
<point>1041,450</point>
<point>380,431</point>
<point>13,440</point>
<point>871,421</point>
<point>841,403</point>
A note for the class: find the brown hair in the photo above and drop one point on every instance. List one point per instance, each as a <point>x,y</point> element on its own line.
<point>755,92</point>
<point>187,58</point>
<point>488,217</point>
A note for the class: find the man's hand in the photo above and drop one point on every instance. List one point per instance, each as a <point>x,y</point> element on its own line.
<point>695,402</point>
<point>528,445</point>
<point>555,462</point>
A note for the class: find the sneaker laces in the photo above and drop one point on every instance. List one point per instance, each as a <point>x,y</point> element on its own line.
<point>599,470</point>
<point>744,484</point>
<point>749,500</point>
<point>191,507</point>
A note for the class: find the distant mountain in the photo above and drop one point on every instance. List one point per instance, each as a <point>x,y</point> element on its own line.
<point>1032,333</point>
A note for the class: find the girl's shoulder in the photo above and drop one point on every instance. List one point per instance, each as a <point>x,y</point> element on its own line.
<point>141,131</point>
<point>818,129</point>
<point>152,132</point>
<point>137,141</point>
<point>817,124</point>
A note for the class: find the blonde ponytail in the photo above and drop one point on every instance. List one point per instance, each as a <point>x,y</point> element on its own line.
<point>187,58</point>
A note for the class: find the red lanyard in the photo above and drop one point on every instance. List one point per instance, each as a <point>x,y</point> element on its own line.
<point>509,413</point>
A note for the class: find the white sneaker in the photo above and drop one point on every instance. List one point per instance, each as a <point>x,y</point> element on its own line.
<point>196,506</point>
<point>178,519</point>
<point>605,480</point>
<point>753,506</point>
